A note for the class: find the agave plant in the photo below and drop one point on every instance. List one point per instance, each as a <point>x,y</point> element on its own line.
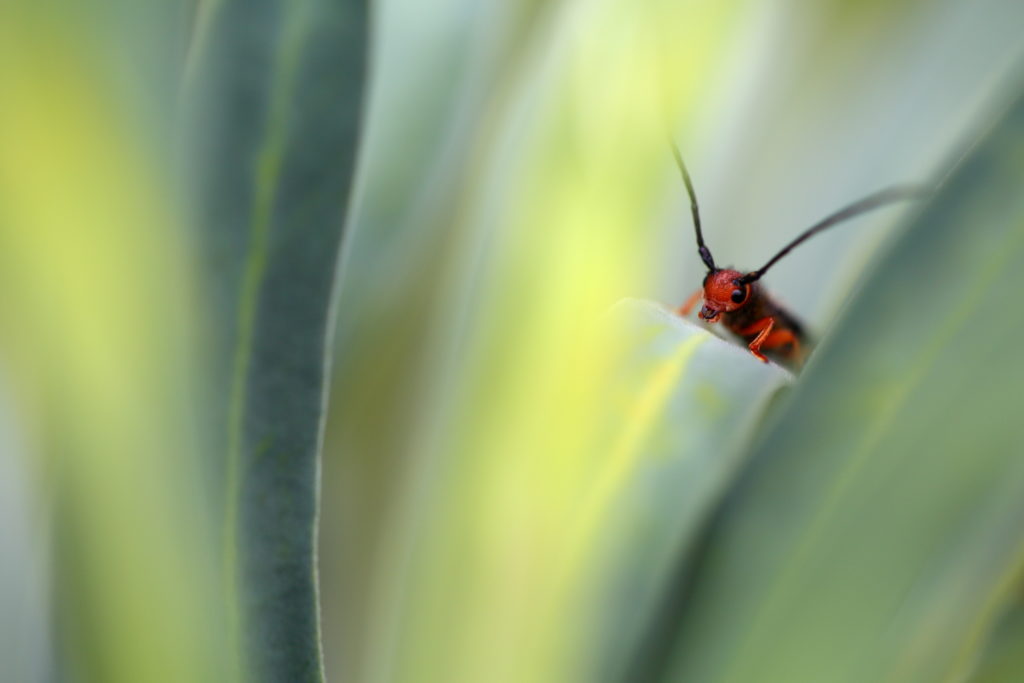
<point>435,252</point>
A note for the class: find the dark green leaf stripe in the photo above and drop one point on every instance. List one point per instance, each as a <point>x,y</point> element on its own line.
<point>1003,658</point>
<point>274,96</point>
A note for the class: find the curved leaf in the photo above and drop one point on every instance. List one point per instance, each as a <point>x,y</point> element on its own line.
<point>275,95</point>
<point>1003,658</point>
<point>688,402</point>
<point>877,534</point>
<point>95,359</point>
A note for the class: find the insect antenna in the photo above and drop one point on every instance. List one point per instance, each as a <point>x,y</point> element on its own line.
<point>873,201</point>
<point>705,253</point>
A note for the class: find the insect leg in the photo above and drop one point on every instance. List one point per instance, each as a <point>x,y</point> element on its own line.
<point>781,338</point>
<point>685,309</point>
<point>763,327</point>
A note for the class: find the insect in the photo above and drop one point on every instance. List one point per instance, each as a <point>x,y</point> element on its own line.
<point>742,304</point>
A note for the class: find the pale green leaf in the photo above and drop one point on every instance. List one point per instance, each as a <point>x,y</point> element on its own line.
<point>688,403</point>
<point>877,536</point>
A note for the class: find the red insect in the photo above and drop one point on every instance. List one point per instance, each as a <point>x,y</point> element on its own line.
<point>743,306</point>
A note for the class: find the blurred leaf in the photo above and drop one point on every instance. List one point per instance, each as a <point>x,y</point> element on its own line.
<point>25,572</point>
<point>877,534</point>
<point>514,186</point>
<point>275,96</point>
<point>810,121</point>
<point>481,375</point>
<point>686,403</point>
<point>1003,658</point>
<point>93,332</point>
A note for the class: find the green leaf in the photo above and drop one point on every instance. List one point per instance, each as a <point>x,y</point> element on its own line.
<point>95,356</point>
<point>688,403</point>
<point>275,92</point>
<point>1003,658</point>
<point>876,535</point>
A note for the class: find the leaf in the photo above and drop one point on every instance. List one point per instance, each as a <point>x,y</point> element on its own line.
<point>95,358</point>
<point>1003,658</point>
<point>688,402</point>
<point>274,95</point>
<point>23,626</point>
<point>876,535</point>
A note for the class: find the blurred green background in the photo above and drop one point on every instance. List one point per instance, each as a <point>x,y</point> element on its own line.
<point>430,237</point>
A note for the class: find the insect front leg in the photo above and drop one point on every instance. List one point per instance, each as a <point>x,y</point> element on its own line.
<point>685,309</point>
<point>763,328</point>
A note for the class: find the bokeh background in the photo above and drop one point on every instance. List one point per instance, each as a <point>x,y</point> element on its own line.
<point>521,472</point>
<point>534,120</point>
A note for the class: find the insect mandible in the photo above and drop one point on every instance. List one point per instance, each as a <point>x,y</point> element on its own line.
<point>742,304</point>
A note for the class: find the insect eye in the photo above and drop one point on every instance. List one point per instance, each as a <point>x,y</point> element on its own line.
<point>738,295</point>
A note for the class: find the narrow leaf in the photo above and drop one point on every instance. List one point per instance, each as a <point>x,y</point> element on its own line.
<point>275,91</point>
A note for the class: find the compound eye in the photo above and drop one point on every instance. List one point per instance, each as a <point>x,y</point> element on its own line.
<point>738,295</point>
